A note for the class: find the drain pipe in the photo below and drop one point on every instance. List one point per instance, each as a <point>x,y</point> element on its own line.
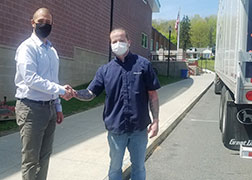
<point>111,25</point>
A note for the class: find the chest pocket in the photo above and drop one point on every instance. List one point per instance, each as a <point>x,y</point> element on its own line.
<point>136,80</point>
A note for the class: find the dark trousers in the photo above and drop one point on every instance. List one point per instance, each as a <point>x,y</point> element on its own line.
<point>37,124</point>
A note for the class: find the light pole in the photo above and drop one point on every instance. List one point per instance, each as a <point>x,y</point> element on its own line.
<point>201,65</point>
<point>169,48</point>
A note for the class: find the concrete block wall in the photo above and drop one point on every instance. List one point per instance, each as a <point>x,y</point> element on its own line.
<point>174,67</point>
<point>7,72</point>
<point>82,68</point>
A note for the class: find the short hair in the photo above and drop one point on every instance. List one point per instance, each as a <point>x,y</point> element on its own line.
<point>121,29</point>
<point>41,9</point>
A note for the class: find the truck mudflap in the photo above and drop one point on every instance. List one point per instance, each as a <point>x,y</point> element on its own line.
<point>238,126</point>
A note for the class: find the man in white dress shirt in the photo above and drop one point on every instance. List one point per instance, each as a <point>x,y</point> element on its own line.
<point>38,105</point>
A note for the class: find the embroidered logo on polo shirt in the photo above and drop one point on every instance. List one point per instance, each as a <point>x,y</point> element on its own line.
<point>137,72</point>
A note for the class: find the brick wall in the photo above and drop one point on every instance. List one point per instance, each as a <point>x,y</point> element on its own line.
<point>76,23</point>
<point>136,17</point>
<point>162,40</point>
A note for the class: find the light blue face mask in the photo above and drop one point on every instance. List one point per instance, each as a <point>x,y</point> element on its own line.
<point>119,48</point>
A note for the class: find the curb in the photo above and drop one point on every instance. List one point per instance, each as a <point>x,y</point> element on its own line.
<point>164,134</point>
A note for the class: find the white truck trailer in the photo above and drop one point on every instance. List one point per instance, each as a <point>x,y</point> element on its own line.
<point>233,67</point>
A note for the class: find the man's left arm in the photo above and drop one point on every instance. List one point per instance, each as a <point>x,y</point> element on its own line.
<point>154,108</point>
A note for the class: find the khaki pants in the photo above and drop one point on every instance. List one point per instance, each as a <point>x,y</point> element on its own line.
<point>37,124</point>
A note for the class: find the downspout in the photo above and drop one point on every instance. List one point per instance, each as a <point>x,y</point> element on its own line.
<point>111,25</point>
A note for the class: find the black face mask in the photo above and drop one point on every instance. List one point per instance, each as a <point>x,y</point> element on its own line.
<point>43,30</point>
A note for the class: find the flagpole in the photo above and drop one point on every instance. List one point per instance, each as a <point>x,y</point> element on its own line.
<point>178,37</point>
<point>178,34</point>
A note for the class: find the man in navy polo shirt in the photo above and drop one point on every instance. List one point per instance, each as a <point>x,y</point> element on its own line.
<point>130,85</point>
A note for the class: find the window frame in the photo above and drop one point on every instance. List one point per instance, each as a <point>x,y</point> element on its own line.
<point>157,44</point>
<point>144,40</point>
<point>151,45</point>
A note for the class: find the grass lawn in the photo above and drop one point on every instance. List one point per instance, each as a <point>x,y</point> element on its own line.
<point>74,106</point>
<point>10,124</point>
<point>206,64</point>
<point>7,127</point>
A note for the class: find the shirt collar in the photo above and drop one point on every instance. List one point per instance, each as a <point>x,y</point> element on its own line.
<point>39,42</point>
<point>126,59</point>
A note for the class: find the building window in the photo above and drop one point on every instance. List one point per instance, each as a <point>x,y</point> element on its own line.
<point>157,48</point>
<point>144,41</point>
<point>145,1</point>
<point>151,45</point>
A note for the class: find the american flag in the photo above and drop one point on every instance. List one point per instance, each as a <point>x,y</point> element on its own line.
<point>177,23</point>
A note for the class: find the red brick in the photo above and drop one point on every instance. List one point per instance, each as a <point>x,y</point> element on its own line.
<point>77,23</point>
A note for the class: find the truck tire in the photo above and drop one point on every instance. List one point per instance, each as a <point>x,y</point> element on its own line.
<point>225,124</point>
<point>223,91</point>
<point>217,85</point>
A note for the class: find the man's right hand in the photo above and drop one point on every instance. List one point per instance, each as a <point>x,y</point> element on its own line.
<point>69,92</point>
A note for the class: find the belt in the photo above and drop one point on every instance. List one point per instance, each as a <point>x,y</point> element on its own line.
<point>38,102</point>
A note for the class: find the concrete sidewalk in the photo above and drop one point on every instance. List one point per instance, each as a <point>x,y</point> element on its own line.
<point>80,149</point>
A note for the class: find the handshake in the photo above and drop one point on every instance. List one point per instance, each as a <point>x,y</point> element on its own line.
<point>69,93</point>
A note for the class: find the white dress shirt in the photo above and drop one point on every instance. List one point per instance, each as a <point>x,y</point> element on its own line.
<point>37,68</point>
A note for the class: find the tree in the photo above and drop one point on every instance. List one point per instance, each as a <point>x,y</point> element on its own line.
<point>185,28</point>
<point>197,32</point>
<point>211,21</point>
<point>203,31</point>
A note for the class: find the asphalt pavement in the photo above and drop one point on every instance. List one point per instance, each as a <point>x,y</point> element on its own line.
<point>194,149</point>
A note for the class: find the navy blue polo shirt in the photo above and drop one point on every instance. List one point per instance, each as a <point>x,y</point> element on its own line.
<point>126,85</point>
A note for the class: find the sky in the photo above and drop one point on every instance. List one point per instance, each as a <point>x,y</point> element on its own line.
<point>169,8</point>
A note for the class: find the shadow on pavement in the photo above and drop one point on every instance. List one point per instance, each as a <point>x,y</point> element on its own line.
<point>171,91</point>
